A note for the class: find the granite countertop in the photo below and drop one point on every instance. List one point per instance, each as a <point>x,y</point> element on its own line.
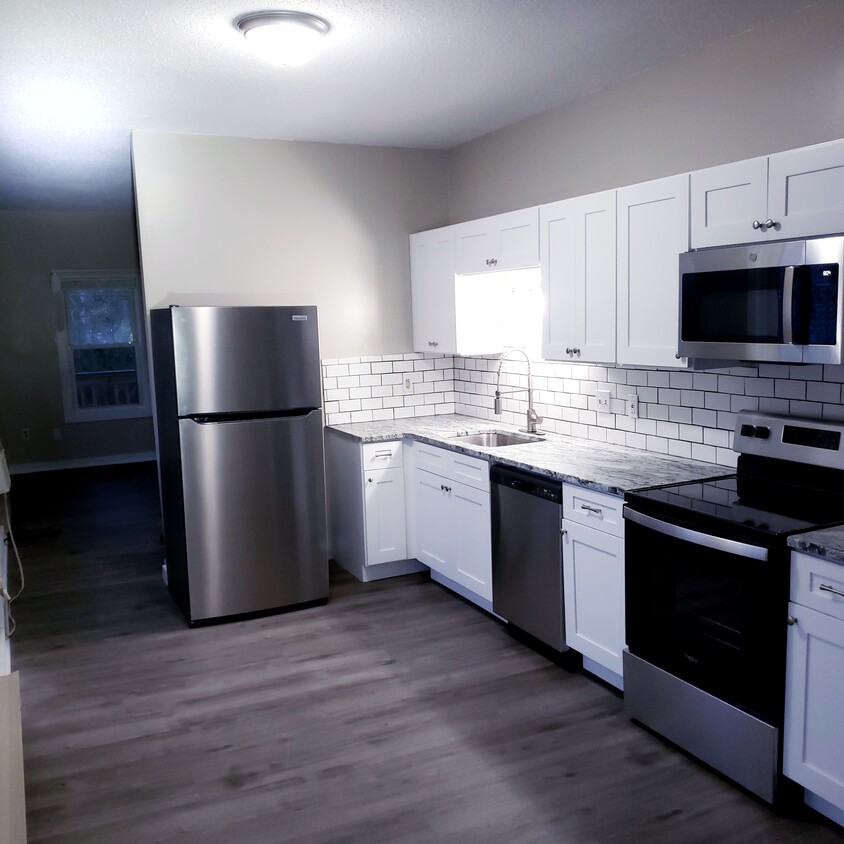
<point>827,543</point>
<point>613,469</point>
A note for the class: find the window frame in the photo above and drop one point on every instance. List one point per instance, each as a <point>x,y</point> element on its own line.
<point>64,281</point>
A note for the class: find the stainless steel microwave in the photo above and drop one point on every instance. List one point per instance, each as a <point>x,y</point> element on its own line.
<point>777,302</point>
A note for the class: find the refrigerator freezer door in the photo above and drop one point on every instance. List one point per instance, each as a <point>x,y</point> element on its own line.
<point>245,360</point>
<point>254,496</point>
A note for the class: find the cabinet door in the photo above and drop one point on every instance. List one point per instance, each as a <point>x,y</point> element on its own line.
<point>432,291</point>
<point>433,524</point>
<point>517,239</point>
<point>471,547</point>
<point>726,200</point>
<point>475,246</point>
<point>577,256</point>
<point>653,229</point>
<point>593,586</point>
<point>806,191</point>
<point>813,749</point>
<point>504,242</point>
<point>385,523</point>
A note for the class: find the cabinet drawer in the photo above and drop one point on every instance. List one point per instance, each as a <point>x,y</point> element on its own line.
<point>453,465</point>
<point>594,509</point>
<point>386,455</point>
<point>809,576</point>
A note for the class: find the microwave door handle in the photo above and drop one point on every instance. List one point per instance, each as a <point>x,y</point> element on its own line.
<point>717,543</point>
<point>787,303</point>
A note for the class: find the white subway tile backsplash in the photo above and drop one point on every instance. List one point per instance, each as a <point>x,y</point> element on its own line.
<point>730,384</point>
<point>692,398</point>
<point>823,392</point>
<point>717,401</point>
<point>683,414</point>
<point>686,414</point>
<point>789,389</point>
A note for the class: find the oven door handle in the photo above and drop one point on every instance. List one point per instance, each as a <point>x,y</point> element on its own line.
<point>728,546</point>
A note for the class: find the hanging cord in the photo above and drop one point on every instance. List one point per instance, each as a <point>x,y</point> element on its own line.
<point>3,591</point>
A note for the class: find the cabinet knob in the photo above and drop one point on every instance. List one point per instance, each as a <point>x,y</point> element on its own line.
<point>569,351</point>
<point>370,480</point>
<point>433,343</point>
<point>577,352</point>
<point>769,224</point>
<point>791,621</point>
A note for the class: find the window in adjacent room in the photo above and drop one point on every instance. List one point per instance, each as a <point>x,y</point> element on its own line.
<point>102,349</point>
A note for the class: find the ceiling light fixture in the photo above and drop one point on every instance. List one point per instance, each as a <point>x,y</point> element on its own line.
<point>287,39</point>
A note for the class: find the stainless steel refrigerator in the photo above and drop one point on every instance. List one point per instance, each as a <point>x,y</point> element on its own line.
<point>241,465</point>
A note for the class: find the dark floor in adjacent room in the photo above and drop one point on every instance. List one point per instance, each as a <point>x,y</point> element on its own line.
<point>397,712</point>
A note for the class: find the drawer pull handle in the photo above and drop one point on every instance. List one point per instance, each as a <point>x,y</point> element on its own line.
<point>597,510</point>
<point>824,587</point>
<point>791,621</point>
<point>383,453</point>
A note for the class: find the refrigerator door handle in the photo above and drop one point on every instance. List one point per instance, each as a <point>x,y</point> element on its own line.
<point>225,418</point>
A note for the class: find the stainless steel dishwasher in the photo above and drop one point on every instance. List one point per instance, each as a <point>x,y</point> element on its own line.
<point>527,562</point>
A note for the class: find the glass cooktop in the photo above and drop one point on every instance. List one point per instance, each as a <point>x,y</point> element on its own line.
<point>761,507</point>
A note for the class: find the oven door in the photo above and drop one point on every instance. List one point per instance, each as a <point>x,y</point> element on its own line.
<point>708,610</point>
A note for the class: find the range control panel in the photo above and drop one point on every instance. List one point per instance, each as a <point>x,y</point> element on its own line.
<point>815,441</point>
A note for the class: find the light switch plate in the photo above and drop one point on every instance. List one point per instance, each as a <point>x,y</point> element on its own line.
<point>633,406</point>
<point>604,400</point>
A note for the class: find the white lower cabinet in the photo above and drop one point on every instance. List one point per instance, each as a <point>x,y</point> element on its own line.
<point>452,529</point>
<point>813,748</point>
<point>593,580</point>
<point>365,493</point>
<point>384,515</point>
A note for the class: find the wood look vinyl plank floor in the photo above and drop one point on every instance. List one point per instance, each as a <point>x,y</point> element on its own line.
<point>395,713</point>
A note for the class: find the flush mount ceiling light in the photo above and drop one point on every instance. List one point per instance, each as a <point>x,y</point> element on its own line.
<point>283,38</point>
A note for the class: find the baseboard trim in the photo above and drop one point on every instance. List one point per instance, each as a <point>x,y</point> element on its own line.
<point>80,463</point>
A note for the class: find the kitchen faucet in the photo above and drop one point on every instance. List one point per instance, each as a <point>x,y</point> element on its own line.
<point>533,418</point>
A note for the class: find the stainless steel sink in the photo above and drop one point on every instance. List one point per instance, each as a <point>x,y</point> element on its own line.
<point>496,439</point>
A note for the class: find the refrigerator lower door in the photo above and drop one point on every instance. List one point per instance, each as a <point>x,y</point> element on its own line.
<point>255,524</point>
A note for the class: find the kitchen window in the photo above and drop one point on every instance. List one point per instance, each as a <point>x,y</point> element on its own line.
<point>102,347</point>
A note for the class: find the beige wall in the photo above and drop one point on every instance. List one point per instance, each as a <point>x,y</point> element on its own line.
<point>32,243</point>
<point>776,87</point>
<point>240,221</point>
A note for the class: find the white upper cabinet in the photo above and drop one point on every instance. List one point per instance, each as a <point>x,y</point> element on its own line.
<point>806,190</point>
<point>793,194</point>
<point>653,229</point>
<point>452,315</point>
<point>578,261</point>
<point>432,291</point>
<point>727,200</point>
<point>503,242</point>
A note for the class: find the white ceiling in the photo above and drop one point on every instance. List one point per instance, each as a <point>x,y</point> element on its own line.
<point>76,76</point>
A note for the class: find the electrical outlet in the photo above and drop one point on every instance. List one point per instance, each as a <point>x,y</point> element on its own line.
<point>604,400</point>
<point>633,406</point>
<point>26,434</point>
<point>407,386</point>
